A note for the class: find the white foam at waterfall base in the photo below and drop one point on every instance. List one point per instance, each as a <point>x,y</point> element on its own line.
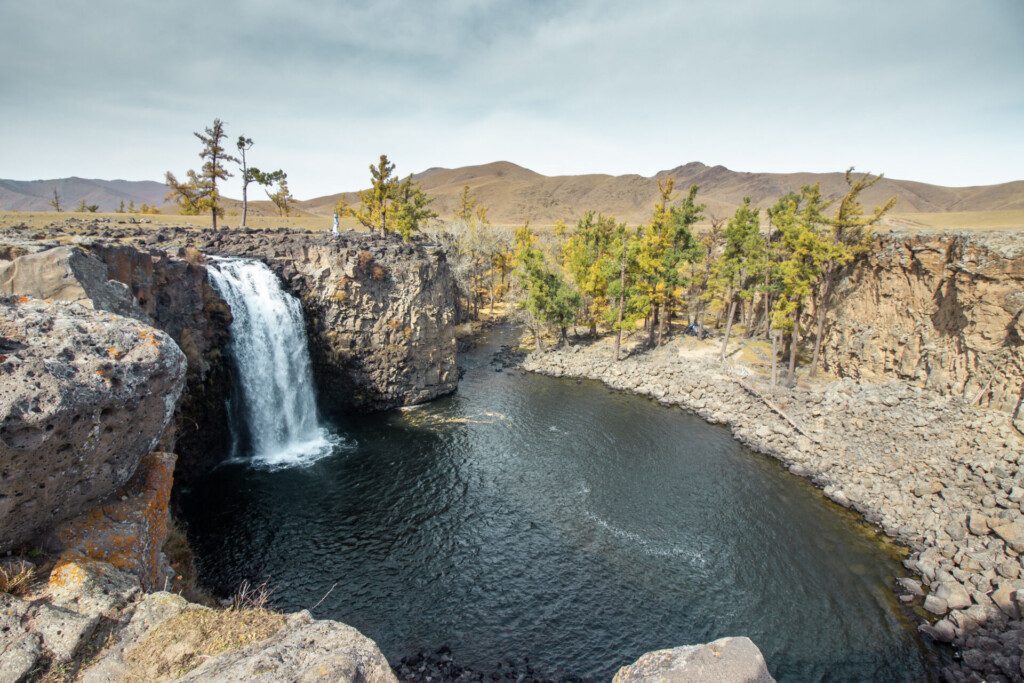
<point>276,408</point>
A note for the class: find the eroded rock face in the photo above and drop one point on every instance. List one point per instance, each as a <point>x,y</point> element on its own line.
<point>171,292</point>
<point>726,660</point>
<point>942,310</point>
<point>380,312</point>
<point>129,530</point>
<point>86,394</point>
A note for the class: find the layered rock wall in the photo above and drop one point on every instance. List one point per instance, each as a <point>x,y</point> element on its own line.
<point>941,310</point>
<point>380,312</point>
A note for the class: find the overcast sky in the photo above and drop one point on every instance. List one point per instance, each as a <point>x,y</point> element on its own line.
<point>930,90</point>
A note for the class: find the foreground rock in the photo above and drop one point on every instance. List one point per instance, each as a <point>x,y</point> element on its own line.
<point>726,660</point>
<point>86,395</point>
<point>128,531</point>
<point>933,472</point>
<point>93,623</point>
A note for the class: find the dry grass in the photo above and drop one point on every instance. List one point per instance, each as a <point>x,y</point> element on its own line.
<point>185,641</point>
<point>960,220</point>
<point>41,219</point>
<point>16,576</point>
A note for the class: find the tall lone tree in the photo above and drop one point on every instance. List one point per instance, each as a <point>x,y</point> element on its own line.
<point>199,192</point>
<point>214,158</point>
<point>244,144</point>
<point>55,202</point>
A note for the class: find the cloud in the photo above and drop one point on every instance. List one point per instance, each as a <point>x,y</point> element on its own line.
<point>928,89</point>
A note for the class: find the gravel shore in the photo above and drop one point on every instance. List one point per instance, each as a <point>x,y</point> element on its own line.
<point>936,474</point>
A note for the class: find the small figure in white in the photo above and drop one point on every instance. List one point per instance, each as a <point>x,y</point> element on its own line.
<point>334,228</point>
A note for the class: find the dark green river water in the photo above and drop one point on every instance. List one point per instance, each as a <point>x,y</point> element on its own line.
<point>541,517</point>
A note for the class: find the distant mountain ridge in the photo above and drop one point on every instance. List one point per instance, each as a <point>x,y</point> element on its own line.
<point>35,195</point>
<point>514,195</point>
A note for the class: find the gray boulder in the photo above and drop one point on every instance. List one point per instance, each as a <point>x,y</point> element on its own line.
<point>68,274</point>
<point>726,660</point>
<point>86,394</point>
<point>304,650</point>
<point>20,649</point>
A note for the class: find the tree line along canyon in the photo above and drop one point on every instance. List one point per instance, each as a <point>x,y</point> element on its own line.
<point>865,333</point>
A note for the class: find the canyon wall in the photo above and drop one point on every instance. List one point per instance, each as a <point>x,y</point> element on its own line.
<point>380,312</point>
<point>942,310</point>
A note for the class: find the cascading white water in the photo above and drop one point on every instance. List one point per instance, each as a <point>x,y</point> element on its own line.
<point>276,405</point>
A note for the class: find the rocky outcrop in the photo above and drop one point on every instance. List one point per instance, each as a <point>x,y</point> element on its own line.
<point>726,660</point>
<point>166,291</point>
<point>380,312</point>
<point>941,310</point>
<point>93,623</point>
<point>939,475</point>
<point>67,273</point>
<point>86,395</point>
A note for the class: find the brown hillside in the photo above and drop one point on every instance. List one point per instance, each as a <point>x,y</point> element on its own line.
<point>514,194</point>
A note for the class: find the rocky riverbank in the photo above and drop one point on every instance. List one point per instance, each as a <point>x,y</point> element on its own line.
<point>933,472</point>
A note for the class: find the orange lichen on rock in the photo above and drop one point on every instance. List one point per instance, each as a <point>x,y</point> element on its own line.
<point>129,531</point>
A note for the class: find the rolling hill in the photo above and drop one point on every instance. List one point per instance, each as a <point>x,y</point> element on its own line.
<point>35,195</point>
<point>514,194</point>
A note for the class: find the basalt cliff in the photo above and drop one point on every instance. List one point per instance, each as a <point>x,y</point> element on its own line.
<point>942,310</point>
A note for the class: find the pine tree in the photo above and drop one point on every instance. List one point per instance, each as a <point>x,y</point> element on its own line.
<point>588,258</point>
<point>55,202</point>
<point>213,167</point>
<point>467,205</point>
<point>743,247</point>
<point>412,208</point>
<point>549,298</point>
<point>199,192</point>
<point>799,219</point>
<point>281,197</point>
<point>376,203</point>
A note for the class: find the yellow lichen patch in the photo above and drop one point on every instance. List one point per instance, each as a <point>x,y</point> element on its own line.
<point>23,299</point>
<point>128,532</point>
<point>186,640</point>
<point>68,571</point>
<point>114,352</point>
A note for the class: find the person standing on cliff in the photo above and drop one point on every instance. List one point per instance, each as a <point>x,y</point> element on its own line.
<point>334,228</point>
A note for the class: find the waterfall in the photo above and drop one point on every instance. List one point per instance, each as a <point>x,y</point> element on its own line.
<point>274,413</point>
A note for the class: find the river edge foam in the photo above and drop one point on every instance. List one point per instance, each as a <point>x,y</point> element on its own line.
<point>933,473</point>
